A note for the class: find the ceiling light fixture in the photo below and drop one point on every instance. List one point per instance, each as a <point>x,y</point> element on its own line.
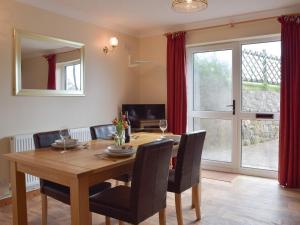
<point>189,5</point>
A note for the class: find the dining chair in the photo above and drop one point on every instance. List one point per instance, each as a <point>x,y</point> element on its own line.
<point>148,191</point>
<point>186,174</point>
<point>106,132</point>
<point>55,190</point>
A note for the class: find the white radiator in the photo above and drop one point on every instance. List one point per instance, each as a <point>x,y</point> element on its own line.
<point>23,143</point>
<point>82,134</point>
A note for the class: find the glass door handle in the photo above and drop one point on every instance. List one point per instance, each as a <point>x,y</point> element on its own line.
<point>233,107</point>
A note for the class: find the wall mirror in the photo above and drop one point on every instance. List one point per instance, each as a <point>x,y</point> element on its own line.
<point>47,66</point>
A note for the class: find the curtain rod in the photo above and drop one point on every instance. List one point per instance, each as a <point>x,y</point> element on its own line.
<point>293,14</point>
<point>235,23</point>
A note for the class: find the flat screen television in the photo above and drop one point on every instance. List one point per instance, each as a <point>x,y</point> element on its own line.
<point>138,112</point>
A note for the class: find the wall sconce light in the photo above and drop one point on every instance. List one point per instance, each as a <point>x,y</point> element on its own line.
<point>113,42</point>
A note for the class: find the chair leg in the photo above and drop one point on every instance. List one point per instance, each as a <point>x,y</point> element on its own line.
<point>193,200</point>
<point>162,217</point>
<point>196,197</point>
<point>44,209</point>
<point>178,209</point>
<point>107,220</point>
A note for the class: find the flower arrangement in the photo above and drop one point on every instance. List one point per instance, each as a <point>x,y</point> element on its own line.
<point>121,125</point>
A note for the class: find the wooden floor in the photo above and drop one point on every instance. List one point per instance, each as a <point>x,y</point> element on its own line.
<point>244,201</point>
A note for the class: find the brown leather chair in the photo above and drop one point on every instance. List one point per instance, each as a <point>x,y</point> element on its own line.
<point>187,171</point>
<point>147,194</point>
<point>105,132</point>
<point>54,190</point>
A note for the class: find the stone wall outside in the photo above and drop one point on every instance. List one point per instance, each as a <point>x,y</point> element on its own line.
<point>254,132</point>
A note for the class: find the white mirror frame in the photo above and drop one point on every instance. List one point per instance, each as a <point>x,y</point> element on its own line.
<point>18,34</point>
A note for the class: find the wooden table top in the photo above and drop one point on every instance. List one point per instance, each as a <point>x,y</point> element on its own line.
<point>79,161</point>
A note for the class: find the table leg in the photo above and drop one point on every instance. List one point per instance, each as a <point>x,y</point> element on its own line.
<point>18,188</point>
<point>80,214</point>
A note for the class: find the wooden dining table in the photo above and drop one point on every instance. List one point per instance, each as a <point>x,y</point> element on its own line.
<point>78,169</point>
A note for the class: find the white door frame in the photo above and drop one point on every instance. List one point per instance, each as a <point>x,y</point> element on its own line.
<point>236,46</point>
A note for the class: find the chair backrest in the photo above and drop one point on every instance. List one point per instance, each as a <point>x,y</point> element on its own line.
<point>150,179</point>
<point>103,131</point>
<point>45,139</point>
<point>188,160</point>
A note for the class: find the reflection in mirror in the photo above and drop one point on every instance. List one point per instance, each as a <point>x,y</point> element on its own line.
<point>48,66</point>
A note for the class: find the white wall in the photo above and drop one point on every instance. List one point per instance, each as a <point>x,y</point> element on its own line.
<point>109,81</point>
<point>152,76</point>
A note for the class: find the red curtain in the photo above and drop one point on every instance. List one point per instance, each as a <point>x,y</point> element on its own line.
<point>289,137</point>
<point>176,83</point>
<point>51,71</point>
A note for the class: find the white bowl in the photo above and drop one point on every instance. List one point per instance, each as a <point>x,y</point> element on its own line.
<point>123,154</point>
<point>67,142</point>
<point>120,149</point>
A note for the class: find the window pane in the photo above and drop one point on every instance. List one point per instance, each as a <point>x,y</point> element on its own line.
<point>218,140</point>
<point>73,77</point>
<point>261,77</point>
<point>213,81</point>
<point>69,78</point>
<point>260,144</point>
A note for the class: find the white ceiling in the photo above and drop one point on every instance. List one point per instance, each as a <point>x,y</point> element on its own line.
<point>144,17</point>
<point>34,47</point>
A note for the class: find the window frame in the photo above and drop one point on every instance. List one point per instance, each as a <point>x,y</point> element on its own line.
<point>63,78</point>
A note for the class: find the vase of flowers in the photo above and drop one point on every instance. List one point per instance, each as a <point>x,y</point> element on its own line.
<point>121,125</point>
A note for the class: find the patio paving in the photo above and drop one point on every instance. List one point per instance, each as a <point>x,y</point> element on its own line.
<point>262,155</point>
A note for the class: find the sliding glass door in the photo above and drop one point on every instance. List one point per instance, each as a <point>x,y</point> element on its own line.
<point>233,94</point>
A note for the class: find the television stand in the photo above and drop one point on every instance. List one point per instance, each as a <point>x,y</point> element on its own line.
<point>150,130</point>
<point>149,123</point>
<point>148,126</point>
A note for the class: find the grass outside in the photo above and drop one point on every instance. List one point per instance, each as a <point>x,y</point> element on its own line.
<point>254,86</point>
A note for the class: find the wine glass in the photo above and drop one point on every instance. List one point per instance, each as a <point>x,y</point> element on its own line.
<point>64,135</point>
<point>163,124</point>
